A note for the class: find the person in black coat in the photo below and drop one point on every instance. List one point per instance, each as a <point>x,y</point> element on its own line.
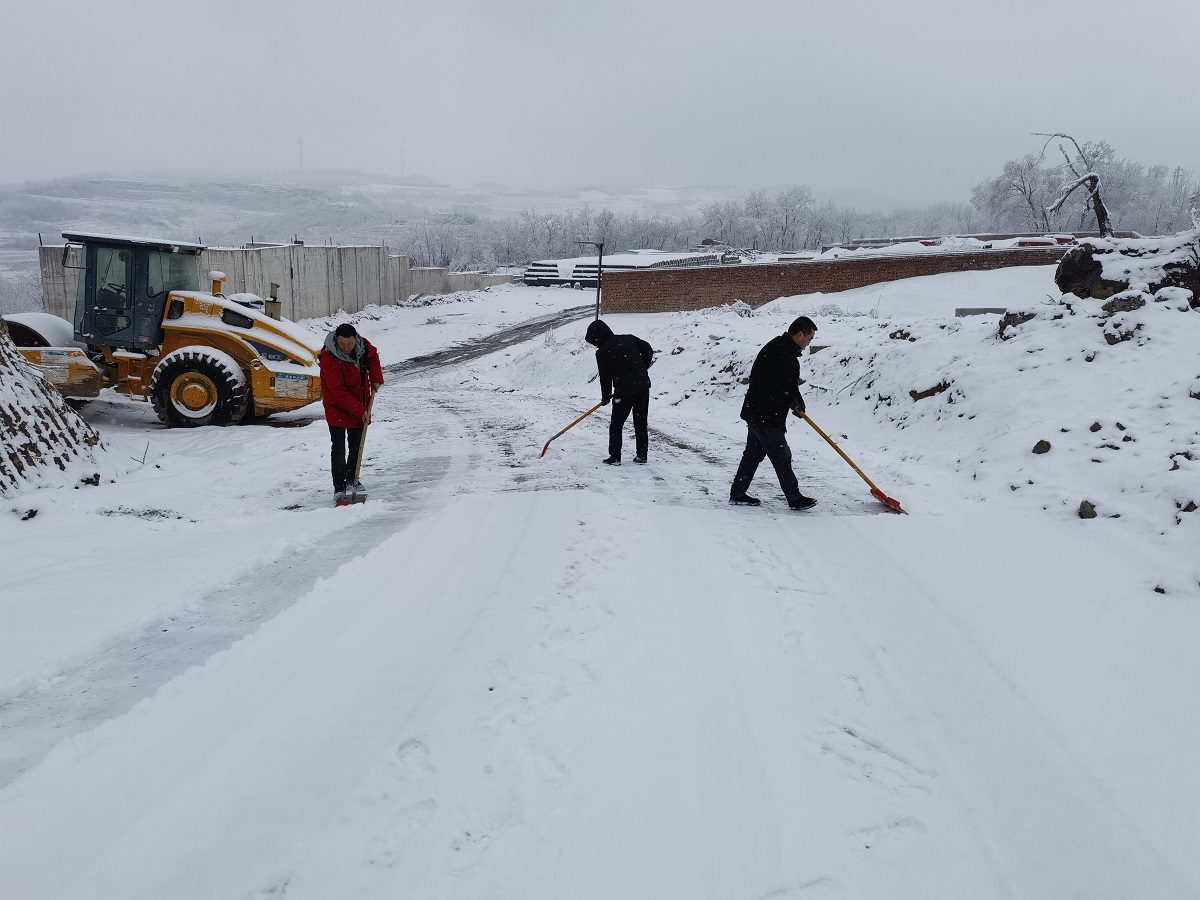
<point>622,361</point>
<point>774,390</point>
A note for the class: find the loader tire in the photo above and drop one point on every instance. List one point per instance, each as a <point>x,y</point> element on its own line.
<point>193,387</point>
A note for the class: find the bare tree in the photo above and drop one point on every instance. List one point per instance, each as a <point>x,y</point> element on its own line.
<point>1088,177</point>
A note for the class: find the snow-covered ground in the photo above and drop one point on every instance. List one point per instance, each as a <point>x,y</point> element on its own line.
<point>513,676</point>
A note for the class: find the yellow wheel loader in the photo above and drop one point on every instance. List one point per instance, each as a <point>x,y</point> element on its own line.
<point>145,328</point>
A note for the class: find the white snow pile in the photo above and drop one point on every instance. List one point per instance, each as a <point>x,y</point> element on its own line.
<point>1074,408</point>
<point>43,442</point>
<point>1101,267</point>
<point>1146,261</point>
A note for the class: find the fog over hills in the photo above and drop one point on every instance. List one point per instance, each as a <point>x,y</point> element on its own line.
<point>336,206</point>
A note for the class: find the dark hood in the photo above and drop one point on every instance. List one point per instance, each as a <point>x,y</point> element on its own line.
<point>598,334</point>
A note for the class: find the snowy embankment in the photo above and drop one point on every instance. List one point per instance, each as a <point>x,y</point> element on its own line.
<point>560,679</point>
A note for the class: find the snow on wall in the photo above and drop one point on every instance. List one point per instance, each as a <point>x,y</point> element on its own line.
<point>42,440</point>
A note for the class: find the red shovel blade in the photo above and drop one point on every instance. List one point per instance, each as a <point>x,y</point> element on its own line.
<point>887,501</point>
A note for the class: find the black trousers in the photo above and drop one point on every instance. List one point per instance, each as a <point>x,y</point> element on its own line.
<point>341,463</point>
<point>765,441</point>
<point>622,406</point>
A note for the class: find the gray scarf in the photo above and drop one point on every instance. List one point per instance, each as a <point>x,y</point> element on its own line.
<point>360,347</point>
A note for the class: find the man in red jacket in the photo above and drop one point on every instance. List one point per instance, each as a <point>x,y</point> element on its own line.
<point>350,376</point>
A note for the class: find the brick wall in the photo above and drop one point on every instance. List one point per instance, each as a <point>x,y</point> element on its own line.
<point>672,290</point>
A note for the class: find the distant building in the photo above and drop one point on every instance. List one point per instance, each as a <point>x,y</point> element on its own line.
<point>580,271</point>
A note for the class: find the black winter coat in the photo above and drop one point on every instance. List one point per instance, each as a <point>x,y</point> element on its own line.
<point>774,384</point>
<point>621,360</point>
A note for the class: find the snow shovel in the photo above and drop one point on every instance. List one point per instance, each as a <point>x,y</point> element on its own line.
<point>875,492</point>
<point>353,496</point>
<point>568,428</point>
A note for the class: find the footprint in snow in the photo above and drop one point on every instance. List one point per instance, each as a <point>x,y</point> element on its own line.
<point>386,847</point>
<point>864,841</point>
<point>870,760</point>
<point>413,757</point>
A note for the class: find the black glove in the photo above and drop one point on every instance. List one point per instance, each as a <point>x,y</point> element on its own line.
<point>605,400</point>
<point>798,410</point>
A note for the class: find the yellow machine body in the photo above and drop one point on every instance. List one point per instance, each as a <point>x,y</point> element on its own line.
<point>201,359</point>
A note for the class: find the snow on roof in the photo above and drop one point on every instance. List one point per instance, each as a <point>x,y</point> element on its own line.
<point>79,237</point>
<point>633,259</point>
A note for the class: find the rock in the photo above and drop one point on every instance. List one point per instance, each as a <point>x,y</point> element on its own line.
<point>1087,510</point>
<point>1096,426</point>
<point>933,391</point>
<point>1157,263</point>
<point>1041,447</point>
<point>1123,304</point>
<point>1078,273</point>
<point>1012,320</point>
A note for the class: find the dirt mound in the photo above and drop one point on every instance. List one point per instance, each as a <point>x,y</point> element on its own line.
<point>42,440</point>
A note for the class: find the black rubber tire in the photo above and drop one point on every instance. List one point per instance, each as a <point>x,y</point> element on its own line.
<point>190,388</point>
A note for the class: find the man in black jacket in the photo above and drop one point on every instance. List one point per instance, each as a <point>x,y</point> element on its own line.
<point>774,389</point>
<point>622,361</point>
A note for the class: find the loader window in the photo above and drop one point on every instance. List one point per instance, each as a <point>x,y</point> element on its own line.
<point>112,279</point>
<point>172,272</point>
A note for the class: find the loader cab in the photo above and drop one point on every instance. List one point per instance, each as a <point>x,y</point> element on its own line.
<point>123,287</point>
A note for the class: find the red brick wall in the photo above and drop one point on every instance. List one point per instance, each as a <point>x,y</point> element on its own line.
<point>672,290</point>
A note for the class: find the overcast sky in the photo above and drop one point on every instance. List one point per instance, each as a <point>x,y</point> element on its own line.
<point>912,99</point>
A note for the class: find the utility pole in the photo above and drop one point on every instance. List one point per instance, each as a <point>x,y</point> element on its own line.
<point>599,245</point>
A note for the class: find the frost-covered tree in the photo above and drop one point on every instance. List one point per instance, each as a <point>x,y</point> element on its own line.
<point>20,292</point>
<point>1084,167</point>
<point>1041,193</point>
<point>787,212</point>
<point>1016,199</point>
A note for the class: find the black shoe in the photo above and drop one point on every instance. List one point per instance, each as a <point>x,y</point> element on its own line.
<point>801,503</point>
<point>613,461</point>
<point>744,500</point>
<point>640,459</point>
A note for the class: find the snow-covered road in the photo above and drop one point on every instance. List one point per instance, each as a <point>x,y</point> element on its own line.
<point>508,676</point>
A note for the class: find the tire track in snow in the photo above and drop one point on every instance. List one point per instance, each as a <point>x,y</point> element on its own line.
<point>110,683</point>
<point>979,728</point>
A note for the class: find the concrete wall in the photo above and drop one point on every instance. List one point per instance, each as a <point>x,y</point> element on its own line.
<point>672,290</point>
<point>313,281</point>
<point>426,280</point>
<point>476,281</point>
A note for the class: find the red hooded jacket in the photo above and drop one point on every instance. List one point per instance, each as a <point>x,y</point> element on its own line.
<point>345,386</point>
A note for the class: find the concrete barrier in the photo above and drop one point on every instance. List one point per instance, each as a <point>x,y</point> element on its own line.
<point>314,281</point>
<point>428,280</point>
